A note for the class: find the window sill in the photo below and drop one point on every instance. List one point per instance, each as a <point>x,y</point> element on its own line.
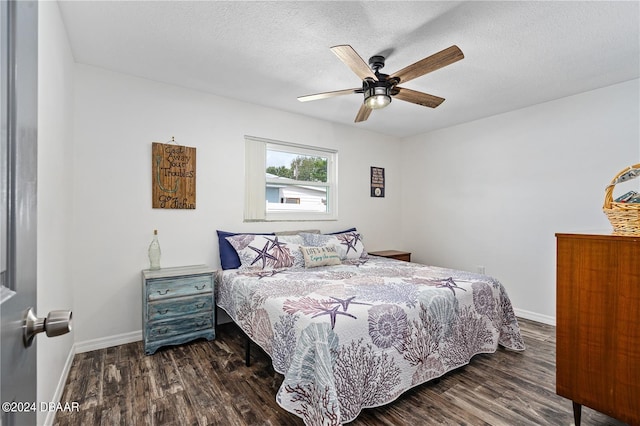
<point>292,218</point>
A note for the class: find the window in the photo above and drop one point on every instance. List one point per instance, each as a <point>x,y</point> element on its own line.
<point>286,181</point>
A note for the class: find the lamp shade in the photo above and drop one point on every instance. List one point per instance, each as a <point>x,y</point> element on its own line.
<point>377,96</point>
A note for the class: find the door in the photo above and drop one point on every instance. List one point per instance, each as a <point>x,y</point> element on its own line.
<point>18,154</point>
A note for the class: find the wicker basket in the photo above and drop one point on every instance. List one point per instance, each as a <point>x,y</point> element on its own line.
<point>625,217</point>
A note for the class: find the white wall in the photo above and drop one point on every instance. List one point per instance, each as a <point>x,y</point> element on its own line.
<point>116,119</point>
<point>55,203</point>
<point>491,192</point>
<point>495,191</point>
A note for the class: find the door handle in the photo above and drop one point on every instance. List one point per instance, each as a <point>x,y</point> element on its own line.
<point>55,324</point>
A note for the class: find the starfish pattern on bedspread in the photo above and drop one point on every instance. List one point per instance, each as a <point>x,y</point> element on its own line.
<point>333,312</point>
<point>345,302</point>
<point>410,331</point>
<point>355,262</point>
<point>450,284</point>
<point>316,308</point>
<point>263,274</point>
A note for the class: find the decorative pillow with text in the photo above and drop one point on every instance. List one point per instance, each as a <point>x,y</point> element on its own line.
<point>348,244</point>
<point>320,256</point>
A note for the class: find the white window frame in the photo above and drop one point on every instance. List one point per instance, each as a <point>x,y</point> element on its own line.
<point>255,206</point>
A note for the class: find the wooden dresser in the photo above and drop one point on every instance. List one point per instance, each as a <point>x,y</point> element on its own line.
<point>178,305</point>
<point>598,324</point>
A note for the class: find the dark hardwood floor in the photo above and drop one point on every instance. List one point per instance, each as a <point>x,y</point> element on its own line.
<point>207,383</point>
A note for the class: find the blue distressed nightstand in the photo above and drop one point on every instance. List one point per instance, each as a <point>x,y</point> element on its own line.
<point>178,305</point>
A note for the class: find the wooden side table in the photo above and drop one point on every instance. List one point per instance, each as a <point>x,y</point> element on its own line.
<point>393,254</point>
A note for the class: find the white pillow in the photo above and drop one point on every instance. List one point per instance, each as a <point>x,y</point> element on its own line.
<point>267,251</point>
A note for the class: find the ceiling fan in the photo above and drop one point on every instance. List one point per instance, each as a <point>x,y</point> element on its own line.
<point>379,88</point>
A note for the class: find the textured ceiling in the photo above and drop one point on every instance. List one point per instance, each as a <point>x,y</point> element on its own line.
<point>516,53</point>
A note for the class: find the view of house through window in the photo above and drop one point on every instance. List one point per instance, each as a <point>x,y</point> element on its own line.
<point>295,182</point>
<point>298,182</point>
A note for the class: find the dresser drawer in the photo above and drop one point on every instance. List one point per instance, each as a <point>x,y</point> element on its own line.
<point>175,287</point>
<point>169,308</point>
<point>180,325</point>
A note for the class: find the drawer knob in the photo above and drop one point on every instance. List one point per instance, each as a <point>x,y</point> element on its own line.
<point>200,306</point>
<point>165,292</point>
<point>200,288</point>
<point>162,312</point>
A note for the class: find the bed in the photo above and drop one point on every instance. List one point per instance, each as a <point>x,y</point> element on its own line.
<point>357,331</point>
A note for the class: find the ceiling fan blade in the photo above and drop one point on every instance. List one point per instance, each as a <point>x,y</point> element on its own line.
<point>353,61</point>
<point>431,63</point>
<point>419,98</point>
<point>326,95</point>
<point>363,114</point>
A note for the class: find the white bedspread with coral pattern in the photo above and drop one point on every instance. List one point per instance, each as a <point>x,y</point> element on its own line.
<point>357,335</point>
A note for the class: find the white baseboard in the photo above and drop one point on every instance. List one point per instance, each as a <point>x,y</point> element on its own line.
<point>107,342</point>
<point>534,316</point>
<point>51,414</point>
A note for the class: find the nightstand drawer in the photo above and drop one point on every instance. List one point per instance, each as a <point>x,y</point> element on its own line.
<point>169,308</point>
<point>393,254</point>
<point>181,325</point>
<point>175,287</point>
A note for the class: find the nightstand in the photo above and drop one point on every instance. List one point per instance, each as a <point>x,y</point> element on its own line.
<point>393,254</point>
<point>178,305</point>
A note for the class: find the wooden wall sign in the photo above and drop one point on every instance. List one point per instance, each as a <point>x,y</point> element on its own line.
<point>377,182</point>
<point>174,176</point>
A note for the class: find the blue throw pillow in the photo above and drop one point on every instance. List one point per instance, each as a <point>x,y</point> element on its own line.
<point>342,232</point>
<point>228,256</point>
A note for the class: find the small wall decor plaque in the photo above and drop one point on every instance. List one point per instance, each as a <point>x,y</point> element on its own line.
<point>377,182</point>
<point>174,176</point>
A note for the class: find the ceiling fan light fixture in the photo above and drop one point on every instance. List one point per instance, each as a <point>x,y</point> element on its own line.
<point>377,96</point>
<point>379,88</point>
